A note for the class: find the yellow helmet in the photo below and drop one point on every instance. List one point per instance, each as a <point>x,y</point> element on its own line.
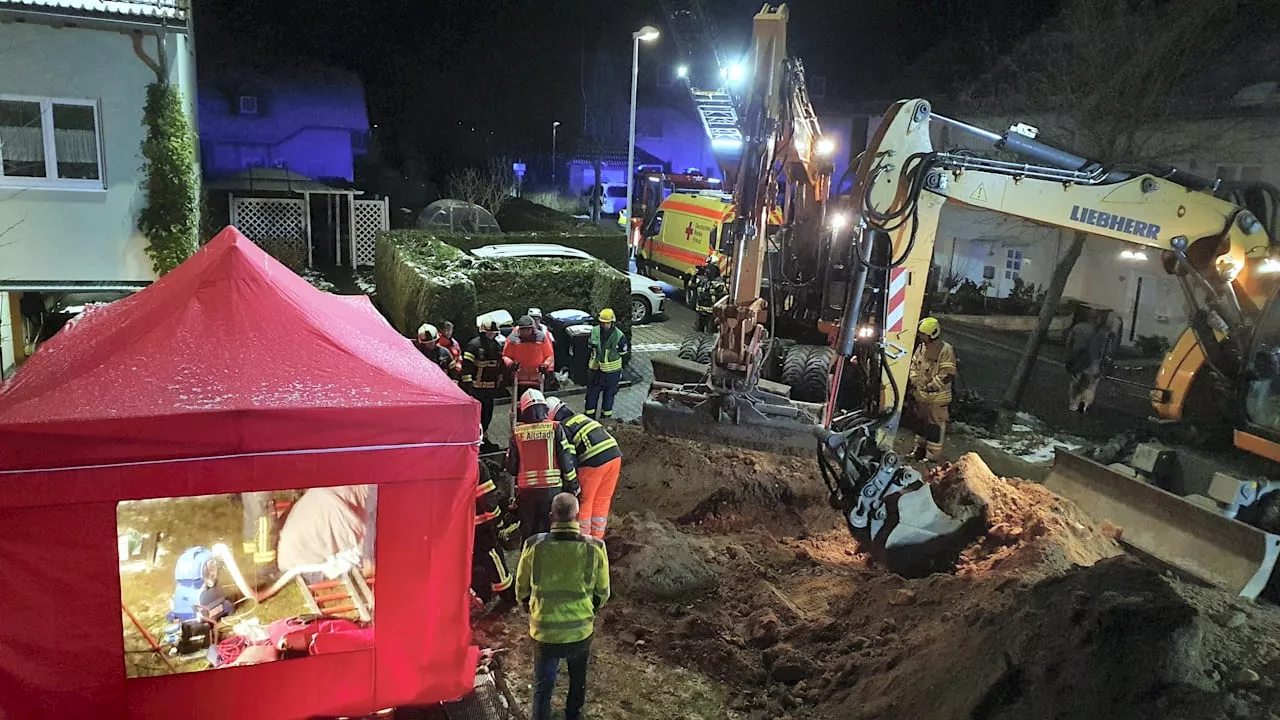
<point>929,327</point>
<point>607,316</point>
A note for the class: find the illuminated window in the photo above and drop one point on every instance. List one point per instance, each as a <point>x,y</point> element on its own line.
<point>49,143</point>
<point>220,580</point>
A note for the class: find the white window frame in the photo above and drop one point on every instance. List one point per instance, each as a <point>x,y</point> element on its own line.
<point>51,181</point>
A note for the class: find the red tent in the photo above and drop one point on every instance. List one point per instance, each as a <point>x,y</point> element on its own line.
<point>230,374</point>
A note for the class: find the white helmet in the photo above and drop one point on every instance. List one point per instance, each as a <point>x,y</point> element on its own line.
<point>428,332</point>
<point>531,397</point>
<point>553,404</point>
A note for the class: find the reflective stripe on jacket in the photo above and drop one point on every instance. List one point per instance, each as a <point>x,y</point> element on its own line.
<point>932,367</point>
<point>606,355</point>
<point>593,445</point>
<point>563,578</point>
<point>482,364</point>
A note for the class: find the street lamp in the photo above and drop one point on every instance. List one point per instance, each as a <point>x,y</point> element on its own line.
<point>648,33</point>
<point>554,126</point>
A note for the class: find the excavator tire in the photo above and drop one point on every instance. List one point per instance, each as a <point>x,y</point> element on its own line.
<point>793,365</point>
<point>816,381</point>
<point>705,347</point>
<point>689,346</point>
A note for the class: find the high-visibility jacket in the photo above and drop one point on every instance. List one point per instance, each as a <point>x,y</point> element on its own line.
<point>482,364</point>
<point>932,367</point>
<point>607,352</point>
<point>530,355</point>
<point>563,579</point>
<point>540,456</point>
<point>593,446</point>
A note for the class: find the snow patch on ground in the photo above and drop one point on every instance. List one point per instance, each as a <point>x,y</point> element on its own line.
<point>318,281</point>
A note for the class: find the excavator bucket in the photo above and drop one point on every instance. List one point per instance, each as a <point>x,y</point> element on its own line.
<point>1172,529</point>
<point>757,420</point>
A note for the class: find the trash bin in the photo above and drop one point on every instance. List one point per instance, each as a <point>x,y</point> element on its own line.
<point>579,345</point>
<point>559,323</point>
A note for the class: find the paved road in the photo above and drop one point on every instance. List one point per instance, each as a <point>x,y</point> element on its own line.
<point>663,335</point>
<point>987,362</point>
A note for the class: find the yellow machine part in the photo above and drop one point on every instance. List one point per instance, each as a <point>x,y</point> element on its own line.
<point>1228,553</point>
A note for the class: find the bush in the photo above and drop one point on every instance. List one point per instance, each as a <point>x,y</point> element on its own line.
<point>565,204</point>
<point>290,253</point>
<point>969,298</point>
<point>423,278</point>
<point>170,219</point>
<point>611,248</point>
<point>1150,346</point>
<point>1023,299</point>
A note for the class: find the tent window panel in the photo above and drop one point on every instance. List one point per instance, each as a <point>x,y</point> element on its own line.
<point>207,576</point>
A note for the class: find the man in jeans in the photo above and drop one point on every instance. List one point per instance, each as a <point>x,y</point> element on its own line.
<point>562,580</point>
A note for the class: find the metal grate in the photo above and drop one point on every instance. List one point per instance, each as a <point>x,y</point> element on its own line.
<point>371,217</point>
<point>276,225</point>
<point>485,703</point>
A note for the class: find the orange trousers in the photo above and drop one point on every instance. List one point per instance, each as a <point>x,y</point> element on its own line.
<point>598,485</point>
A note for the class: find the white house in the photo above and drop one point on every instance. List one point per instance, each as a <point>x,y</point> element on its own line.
<point>73,80</point>
<point>995,250</point>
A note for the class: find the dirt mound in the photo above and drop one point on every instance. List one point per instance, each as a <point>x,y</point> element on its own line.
<point>720,489</point>
<point>1030,531</point>
<point>649,558</point>
<point>1039,620</point>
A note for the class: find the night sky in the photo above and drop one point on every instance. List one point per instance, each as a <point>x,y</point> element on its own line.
<point>435,69</point>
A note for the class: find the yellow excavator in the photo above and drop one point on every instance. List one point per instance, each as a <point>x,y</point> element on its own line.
<point>879,247</point>
<point>1225,261</point>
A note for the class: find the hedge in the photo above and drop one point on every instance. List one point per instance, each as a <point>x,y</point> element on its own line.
<point>426,278</point>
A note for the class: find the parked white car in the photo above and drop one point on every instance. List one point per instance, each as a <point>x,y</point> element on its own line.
<point>647,300</point>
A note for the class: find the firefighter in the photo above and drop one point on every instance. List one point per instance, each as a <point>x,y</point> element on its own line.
<point>599,462</point>
<point>562,580</point>
<point>933,368</point>
<point>530,353</point>
<point>429,344</point>
<point>448,342</point>
<point>489,576</point>
<point>483,368</point>
<point>541,460</point>
<point>261,531</point>
<point>608,346</point>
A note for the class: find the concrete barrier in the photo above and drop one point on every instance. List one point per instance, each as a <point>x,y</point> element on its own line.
<point>1011,323</point>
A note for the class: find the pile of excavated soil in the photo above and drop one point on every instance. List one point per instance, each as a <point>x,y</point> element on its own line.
<point>1029,531</point>
<point>769,595</point>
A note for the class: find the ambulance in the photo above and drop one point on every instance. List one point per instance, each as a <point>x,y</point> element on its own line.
<point>685,233</point>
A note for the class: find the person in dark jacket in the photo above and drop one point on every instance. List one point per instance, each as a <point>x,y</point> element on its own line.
<point>1087,343</point>
<point>483,368</point>
<point>429,344</point>
<point>489,575</point>
<point>542,461</point>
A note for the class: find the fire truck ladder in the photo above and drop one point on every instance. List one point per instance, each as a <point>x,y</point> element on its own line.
<point>695,38</point>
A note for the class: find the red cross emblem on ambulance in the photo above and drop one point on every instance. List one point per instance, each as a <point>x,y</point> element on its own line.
<point>688,232</point>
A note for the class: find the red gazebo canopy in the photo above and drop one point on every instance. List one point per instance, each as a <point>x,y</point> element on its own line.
<point>230,374</point>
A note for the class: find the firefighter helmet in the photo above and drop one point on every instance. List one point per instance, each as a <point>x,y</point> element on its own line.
<point>427,332</point>
<point>531,397</point>
<point>930,328</point>
<point>553,404</point>
<point>607,316</point>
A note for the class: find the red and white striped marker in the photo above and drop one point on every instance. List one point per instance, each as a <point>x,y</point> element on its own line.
<point>897,299</point>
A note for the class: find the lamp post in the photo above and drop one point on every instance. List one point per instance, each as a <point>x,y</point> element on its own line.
<point>554,126</point>
<point>648,33</point>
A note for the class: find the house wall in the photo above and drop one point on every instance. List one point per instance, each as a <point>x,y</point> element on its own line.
<point>306,121</point>
<point>67,235</point>
<point>1149,300</point>
<point>677,138</point>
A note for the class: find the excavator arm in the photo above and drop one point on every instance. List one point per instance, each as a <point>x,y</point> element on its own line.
<point>1218,251</point>
<point>782,145</point>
